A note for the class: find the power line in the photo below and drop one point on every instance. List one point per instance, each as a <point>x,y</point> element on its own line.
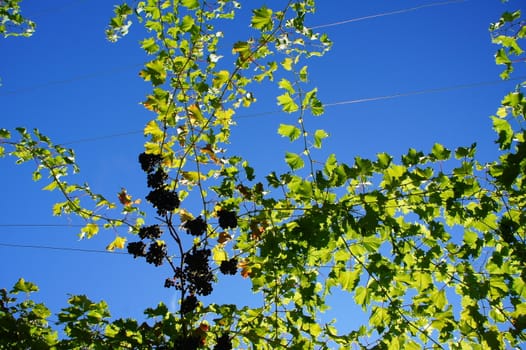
<point>384,14</point>
<point>331,104</point>
<point>116,70</point>
<point>42,225</point>
<point>421,92</point>
<point>10,245</point>
<point>104,72</point>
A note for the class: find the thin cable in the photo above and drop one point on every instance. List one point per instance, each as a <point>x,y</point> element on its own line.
<point>421,92</point>
<point>384,14</point>
<point>41,225</point>
<point>95,74</point>
<point>70,80</point>
<point>331,104</point>
<point>60,248</point>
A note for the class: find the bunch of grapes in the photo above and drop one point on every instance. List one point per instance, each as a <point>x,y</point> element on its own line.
<point>151,232</point>
<point>149,161</point>
<point>223,343</point>
<point>137,249</point>
<point>228,267</point>
<point>156,253</point>
<point>195,227</point>
<point>197,271</point>
<point>169,283</point>
<point>189,304</point>
<point>157,179</point>
<point>227,219</point>
<point>188,343</point>
<point>164,200</point>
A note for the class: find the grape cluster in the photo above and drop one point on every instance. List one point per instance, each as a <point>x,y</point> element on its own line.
<point>156,253</point>
<point>188,343</point>
<point>169,283</point>
<point>149,161</point>
<point>161,197</point>
<point>195,227</point>
<point>189,304</point>
<point>197,271</point>
<point>164,200</point>
<point>157,179</point>
<point>227,219</point>
<point>223,343</point>
<point>137,249</point>
<point>228,267</point>
<point>151,232</point>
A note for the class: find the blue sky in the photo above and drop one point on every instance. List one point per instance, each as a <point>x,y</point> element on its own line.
<point>403,79</point>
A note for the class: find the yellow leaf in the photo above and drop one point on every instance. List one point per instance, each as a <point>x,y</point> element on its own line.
<point>219,254</point>
<point>89,230</point>
<point>185,216</point>
<point>51,186</point>
<point>118,243</point>
<point>194,113</point>
<point>153,129</point>
<point>193,176</point>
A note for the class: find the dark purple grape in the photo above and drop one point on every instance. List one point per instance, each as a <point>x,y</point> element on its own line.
<point>137,249</point>
<point>227,219</point>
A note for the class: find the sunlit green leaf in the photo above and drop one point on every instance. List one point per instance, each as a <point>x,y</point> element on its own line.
<point>262,18</point>
<point>294,160</point>
<point>319,135</point>
<point>290,131</point>
<point>287,103</point>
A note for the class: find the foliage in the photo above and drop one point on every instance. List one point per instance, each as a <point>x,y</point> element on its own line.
<point>12,23</point>
<point>432,247</point>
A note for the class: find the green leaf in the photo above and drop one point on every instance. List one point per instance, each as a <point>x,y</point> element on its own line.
<point>505,132</point>
<point>361,296</point>
<point>287,85</point>
<point>190,4</point>
<point>187,23</point>
<point>262,19</point>
<point>25,287</point>
<point>287,103</point>
<point>294,161</point>
<point>220,78</point>
<point>5,134</point>
<point>319,135</point>
<point>303,74</point>
<point>287,64</point>
<point>154,72</point>
<point>153,129</point>
<point>348,279</point>
<point>440,152</point>
<point>290,131</point>
<point>150,45</point>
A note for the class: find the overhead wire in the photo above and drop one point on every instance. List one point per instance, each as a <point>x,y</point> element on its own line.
<point>330,104</point>
<point>95,74</point>
<point>388,13</point>
<point>32,246</point>
<point>115,70</point>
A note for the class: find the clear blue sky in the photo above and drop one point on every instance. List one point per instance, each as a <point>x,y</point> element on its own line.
<point>77,88</point>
